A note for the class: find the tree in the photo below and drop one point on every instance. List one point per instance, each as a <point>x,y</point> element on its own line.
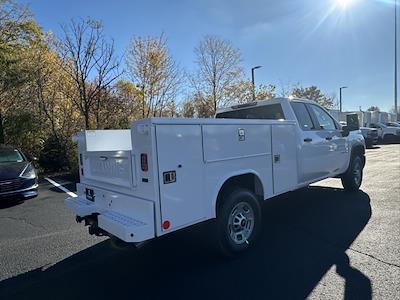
<point>89,59</point>
<point>17,30</point>
<point>129,98</point>
<point>218,69</point>
<point>187,109</point>
<point>242,92</point>
<point>313,93</point>
<point>156,75</point>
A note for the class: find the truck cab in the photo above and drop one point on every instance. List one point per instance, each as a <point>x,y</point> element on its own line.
<point>323,148</point>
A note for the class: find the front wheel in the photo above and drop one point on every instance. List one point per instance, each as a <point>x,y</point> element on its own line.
<point>352,179</point>
<point>238,222</point>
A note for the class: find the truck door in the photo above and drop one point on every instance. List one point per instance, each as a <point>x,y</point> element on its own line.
<point>313,149</point>
<point>180,168</point>
<point>337,145</point>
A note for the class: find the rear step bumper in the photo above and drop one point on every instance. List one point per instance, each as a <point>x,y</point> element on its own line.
<point>81,207</point>
<point>127,228</point>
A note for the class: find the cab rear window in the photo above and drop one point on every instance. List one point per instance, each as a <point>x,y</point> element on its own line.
<point>270,112</point>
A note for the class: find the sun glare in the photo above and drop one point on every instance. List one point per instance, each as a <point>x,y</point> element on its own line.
<point>344,4</point>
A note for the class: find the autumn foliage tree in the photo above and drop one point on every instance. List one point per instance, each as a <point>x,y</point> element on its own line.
<point>17,31</point>
<point>313,93</point>
<point>89,60</point>
<point>154,72</point>
<point>219,68</point>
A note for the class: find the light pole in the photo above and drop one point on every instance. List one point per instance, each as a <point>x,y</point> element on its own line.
<point>395,57</point>
<point>252,81</point>
<point>340,97</point>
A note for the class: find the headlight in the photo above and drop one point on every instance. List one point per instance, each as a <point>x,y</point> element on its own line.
<point>28,173</point>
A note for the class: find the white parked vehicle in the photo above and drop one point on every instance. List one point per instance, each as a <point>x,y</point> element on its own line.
<point>165,174</point>
<point>385,132</point>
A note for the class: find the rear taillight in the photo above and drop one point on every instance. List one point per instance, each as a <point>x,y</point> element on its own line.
<point>143,162</point>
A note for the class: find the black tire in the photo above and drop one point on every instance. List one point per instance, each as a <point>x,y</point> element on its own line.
<point>369,145</point>
<point>238,222</point>
<point>352,179</point>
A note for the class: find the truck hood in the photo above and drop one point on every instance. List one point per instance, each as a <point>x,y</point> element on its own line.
<point>365,130</point>
<point>11,170</point>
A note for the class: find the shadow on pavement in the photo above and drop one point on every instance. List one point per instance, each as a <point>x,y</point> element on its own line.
<point>9,202</point>
<point>13,201</point>
<point>305,234</point>
<point>373,147</point>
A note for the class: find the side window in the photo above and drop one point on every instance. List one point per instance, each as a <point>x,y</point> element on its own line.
<point>324,119</point>
<point>302,116</point>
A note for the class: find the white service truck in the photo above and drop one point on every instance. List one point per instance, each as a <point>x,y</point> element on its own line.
<point>165,174</point>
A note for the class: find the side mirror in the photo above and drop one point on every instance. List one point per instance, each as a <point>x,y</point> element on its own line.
<point>352,122</point>
<point>31,158</point>
<point>345,131</point>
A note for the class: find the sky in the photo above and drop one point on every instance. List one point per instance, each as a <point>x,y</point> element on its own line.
<point>327,43</point>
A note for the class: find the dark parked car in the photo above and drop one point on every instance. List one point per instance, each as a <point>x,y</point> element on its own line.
<point>18,177</point>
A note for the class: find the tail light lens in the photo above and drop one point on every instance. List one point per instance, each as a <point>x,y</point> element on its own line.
<point>143,162</point>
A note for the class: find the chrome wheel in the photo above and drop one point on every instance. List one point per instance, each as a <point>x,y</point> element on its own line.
<point>241,223</point>
<point>357,173</point>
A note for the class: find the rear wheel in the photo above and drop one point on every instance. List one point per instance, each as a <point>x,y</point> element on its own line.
<point>352,179</point>
<point>238,222</point>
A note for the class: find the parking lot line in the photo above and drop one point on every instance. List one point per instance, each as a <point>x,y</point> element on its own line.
<point>60,187</point>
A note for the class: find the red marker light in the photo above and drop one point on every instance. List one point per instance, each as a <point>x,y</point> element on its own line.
<point>143,162</point>
<point>166,224</point>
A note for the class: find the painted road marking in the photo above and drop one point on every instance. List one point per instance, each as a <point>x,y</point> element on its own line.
<point>61,187</point>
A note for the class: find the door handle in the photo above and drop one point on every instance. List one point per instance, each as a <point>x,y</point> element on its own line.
<point>308,140</point>
<point>328,138</point>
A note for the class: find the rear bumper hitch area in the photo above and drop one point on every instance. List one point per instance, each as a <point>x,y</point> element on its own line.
<point>91,221</point>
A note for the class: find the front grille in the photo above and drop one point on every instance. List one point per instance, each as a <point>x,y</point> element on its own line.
<point>11,185</point>
<point>373,133</point>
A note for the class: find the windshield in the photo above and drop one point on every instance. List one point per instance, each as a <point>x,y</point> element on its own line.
<point>393,124</point>
<point>10,155</point>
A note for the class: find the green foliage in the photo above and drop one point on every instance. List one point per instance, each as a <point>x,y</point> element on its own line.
<point>22,129</point>
<point>313,93</point>
<point>55,155</point>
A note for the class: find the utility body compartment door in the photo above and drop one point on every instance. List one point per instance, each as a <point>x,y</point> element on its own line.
<point>284,157</point>
<point>180,174</point>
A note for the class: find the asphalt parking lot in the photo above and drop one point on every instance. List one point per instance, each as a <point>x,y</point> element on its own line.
<point>317,243</point>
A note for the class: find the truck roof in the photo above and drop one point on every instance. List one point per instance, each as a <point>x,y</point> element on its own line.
<point>262,103</point>
<point>211,121</point>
